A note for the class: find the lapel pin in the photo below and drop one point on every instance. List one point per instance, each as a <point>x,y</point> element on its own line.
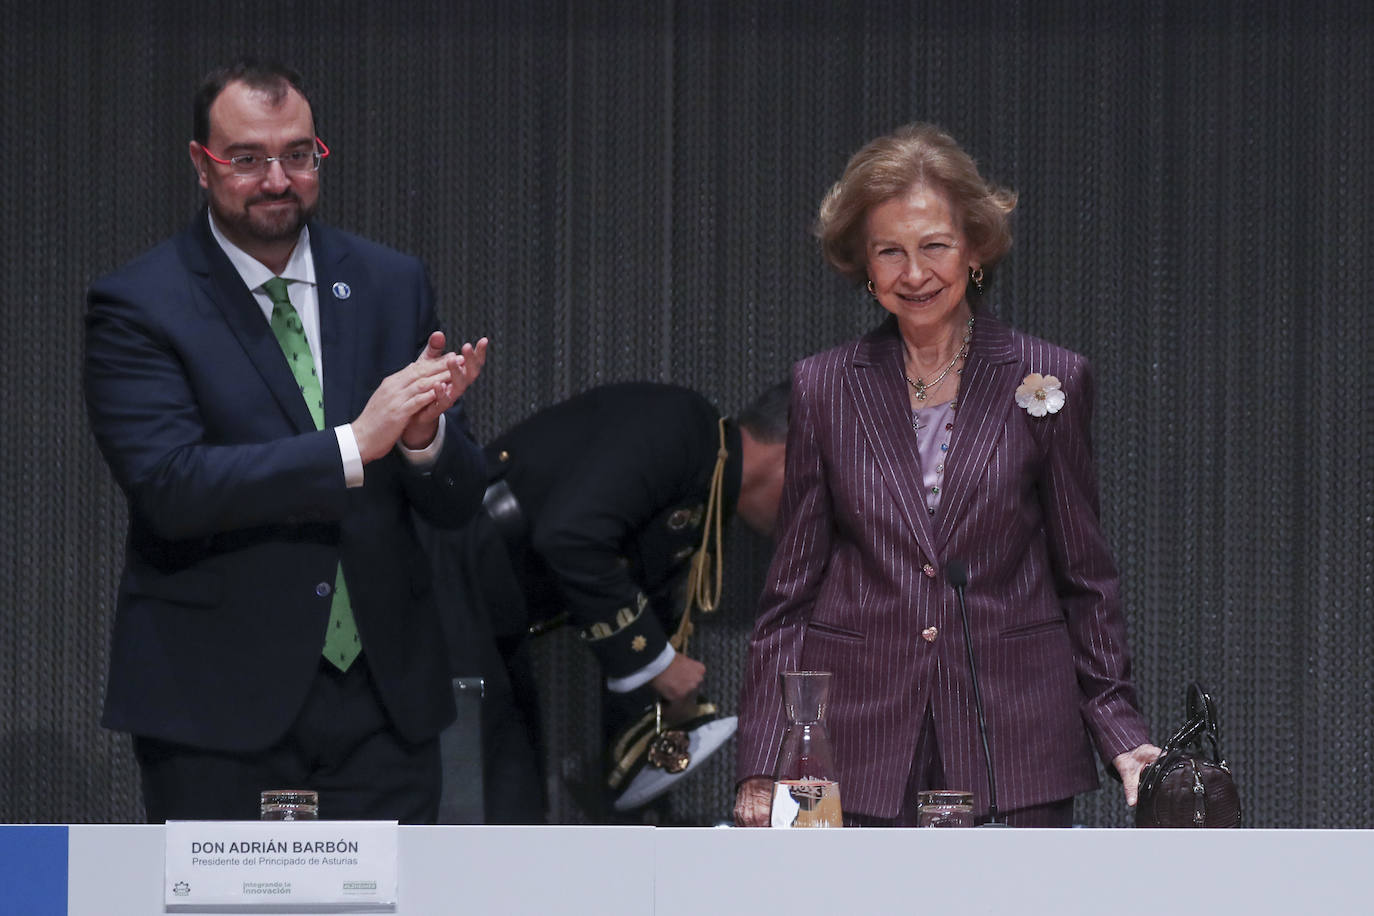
<point>341,290</point>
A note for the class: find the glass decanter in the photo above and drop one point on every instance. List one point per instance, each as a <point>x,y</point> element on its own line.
<point>806,788</point>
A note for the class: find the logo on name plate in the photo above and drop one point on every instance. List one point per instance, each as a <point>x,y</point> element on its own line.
<point>181,889</point>
<point>341,290</point>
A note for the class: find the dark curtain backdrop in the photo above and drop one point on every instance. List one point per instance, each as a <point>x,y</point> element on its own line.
<point>624,189</point>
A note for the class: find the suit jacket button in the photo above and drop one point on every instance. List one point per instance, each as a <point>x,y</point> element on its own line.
<point>323,589</point>
<point>929,571</point>
<point>929,634</point>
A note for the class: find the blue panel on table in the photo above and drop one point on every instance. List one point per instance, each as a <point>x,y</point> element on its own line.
<point>33,870</point>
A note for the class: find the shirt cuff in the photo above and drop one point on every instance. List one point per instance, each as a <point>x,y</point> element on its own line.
<point>643,675</point>
<point>352,458</point>
<point>424,457</point>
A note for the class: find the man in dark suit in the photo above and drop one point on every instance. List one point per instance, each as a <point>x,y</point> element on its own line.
<point>274,399</point>
<point>599,505</point>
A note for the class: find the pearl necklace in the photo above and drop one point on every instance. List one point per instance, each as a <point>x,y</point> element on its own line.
<point>921,386</point>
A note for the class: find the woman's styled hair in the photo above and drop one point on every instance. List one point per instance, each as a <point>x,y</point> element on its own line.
<point>916,154</point>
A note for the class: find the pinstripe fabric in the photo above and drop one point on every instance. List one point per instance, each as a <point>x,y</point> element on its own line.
<point>847,591</point>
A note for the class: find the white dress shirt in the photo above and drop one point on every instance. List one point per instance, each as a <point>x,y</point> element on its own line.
<point>304,295</point>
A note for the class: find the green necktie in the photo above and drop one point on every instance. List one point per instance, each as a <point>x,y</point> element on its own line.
<point>341,643</point>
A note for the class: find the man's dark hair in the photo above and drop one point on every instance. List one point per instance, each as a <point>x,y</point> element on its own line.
<point>766,415</point>
<point>267,76</point>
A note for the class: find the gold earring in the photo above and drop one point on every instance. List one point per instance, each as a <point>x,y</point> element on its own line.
<point>976,275</point>
<point>871,291</point>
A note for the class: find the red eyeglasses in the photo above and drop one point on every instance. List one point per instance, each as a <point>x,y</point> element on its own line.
<point>252,165</point>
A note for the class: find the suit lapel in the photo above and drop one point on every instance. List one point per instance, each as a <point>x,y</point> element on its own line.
<point>986,394</point>
<point>880,400</point>
<point>340,291</point>
<point>223,287</point>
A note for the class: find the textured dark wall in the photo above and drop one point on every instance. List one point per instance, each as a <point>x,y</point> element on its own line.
<point>624,189</point>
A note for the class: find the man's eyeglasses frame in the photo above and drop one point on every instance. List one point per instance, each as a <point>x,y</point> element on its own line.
<point>253,165</point>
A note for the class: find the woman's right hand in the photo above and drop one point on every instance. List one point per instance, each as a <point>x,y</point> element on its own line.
<point>754,802</point>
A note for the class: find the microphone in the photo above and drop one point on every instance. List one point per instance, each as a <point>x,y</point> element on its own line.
<point>956,571</point>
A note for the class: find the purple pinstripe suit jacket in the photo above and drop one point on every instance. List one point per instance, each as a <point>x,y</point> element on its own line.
<point>858,575</point>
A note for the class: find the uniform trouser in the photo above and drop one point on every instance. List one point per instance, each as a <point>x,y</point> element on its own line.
<point>483,615</point>
<point>512,746</point>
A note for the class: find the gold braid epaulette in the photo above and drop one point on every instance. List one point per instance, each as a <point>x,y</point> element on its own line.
<point>701,592</point>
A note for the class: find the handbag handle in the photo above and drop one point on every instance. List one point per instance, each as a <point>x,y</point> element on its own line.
<point>1201,727</point>
<point>1202,706</point>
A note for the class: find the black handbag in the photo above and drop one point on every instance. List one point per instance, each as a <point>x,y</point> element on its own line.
<point>1190,785</point>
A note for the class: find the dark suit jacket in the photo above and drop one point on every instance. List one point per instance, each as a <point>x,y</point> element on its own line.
<point>858,575</point>
<point>238,513</point>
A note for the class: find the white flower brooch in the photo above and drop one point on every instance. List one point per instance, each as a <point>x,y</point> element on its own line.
<point>1040,394</point>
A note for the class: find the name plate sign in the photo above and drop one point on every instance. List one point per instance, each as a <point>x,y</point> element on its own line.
<point>242,866</point>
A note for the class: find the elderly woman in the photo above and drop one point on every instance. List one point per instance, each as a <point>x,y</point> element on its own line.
<point>943,438</point>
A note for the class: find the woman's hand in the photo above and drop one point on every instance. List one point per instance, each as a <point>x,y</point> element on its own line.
<point>754,802</point>
<point>1129,766</point>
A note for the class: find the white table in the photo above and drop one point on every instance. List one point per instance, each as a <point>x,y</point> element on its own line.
<point>116,870</point>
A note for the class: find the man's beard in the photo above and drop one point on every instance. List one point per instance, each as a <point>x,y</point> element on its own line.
<point>254,223</point>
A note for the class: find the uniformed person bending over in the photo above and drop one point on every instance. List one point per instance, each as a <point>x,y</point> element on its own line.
<point>598,510</point>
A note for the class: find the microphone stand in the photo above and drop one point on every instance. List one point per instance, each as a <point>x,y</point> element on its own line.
<point>957,574</point>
